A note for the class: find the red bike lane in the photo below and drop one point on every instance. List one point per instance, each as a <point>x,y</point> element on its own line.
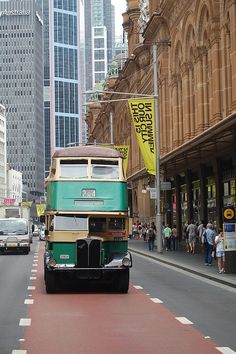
<point>105,323</point>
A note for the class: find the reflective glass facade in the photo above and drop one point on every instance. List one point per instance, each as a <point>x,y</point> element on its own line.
<point>63,110</point>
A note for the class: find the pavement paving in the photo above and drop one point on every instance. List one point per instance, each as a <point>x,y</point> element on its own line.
<point>183,260</point>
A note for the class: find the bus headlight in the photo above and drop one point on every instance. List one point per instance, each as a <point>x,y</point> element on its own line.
<point>126,261</point>
<point>52,262</point>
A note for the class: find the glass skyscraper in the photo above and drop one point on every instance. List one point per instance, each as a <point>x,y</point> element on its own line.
<point>63,81</point>
<point>21,89</point>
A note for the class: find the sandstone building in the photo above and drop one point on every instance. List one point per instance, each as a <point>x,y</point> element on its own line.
<point>196,62</point>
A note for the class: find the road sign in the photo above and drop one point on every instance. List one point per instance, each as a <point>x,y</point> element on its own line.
<point>153,194</point>
<point>165,186</point>
<point>229,214</point>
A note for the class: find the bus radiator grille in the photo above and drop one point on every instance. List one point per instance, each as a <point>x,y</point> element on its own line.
<point>88,253</point>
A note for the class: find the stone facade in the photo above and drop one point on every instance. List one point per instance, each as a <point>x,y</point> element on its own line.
<point>196,51</point>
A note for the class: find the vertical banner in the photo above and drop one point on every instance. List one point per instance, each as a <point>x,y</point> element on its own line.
<point>124,150</point>
<point>40,208</point>
<point>142,112</point>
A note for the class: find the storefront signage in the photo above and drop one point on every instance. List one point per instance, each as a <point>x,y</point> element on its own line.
<point>14,13</point>
<point>229,237</point>
<point>229,214</point>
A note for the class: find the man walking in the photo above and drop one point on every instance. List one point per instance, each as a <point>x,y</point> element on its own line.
<point>167,236</point>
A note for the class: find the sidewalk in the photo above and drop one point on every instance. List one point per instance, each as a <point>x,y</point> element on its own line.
<point>186,261</point>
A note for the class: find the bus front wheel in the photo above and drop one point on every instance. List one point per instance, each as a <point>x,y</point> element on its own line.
<point>123,281</point>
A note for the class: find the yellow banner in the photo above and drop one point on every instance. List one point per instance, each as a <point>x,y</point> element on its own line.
<point>142,112</point>
<point>124,150</point>
<point>40,209</point>
<point>26,204</point>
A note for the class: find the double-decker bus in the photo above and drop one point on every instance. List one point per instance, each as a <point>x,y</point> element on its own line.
<point>87,219</point>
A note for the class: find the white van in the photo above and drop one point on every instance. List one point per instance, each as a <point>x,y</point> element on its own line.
<point>14,235</point>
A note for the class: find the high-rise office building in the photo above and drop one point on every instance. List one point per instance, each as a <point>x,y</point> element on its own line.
<point>100,40</point>
<point>21,89</point>
<point>63,80</point>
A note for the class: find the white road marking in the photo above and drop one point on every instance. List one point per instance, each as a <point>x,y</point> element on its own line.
<point>25,322</point>
<point>207,337</point>
<point>31,288</point>
<point>137,287</point>
<point>147,294</point>
<point>28,301</point>
<point>21,340</point>
<point>183,320</point>
<point>156,300</point>
<point>30,295</point>
<point>35,265</point>
<point>33,278</point>
<point>34,271</point>
<point>15,351</point>
<point>225,350</point>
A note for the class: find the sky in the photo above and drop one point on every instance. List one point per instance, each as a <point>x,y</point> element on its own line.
<point>120,7</point>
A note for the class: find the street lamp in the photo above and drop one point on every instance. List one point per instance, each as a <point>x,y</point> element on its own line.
<point>157,124</point>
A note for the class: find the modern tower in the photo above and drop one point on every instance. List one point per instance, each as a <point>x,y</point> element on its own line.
<point>21,89</point>
<point>63,80</point>
<point>100,40</point>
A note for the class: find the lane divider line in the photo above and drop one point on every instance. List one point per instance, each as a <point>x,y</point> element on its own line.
<point>25,322</point>
<point>207,337</point>
<point>137,287</point>
<point>31,288</point>
<point>225,350</point>
<point>33,278</point>
<point>156,300</point>
<point>183,320</point>
<point>34,271</point>
<point>16,351</point>
<point>21,340</point>
<point>28,301</point>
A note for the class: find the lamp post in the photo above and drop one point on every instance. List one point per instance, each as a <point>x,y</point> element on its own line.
<point>157,124</point>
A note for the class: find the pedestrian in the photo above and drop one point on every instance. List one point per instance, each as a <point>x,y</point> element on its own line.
<point>140,229</point>
<point>144,232</point>
<point>209,235</point>
<point>220,253</point>
<point>134,231</point>
<point>185,234</point>
<point>167,235</point>
<point>192,234</point>
<point>151,234</point>
<point>200,230</point>
<point>174,237</point>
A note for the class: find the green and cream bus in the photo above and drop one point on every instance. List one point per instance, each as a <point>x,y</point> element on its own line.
<point>87,219</point>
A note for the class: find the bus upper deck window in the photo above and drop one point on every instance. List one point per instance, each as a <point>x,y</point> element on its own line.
<point>73,169</point>
<point>104,172</point>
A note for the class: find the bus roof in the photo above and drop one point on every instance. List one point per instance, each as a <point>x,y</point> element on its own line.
<point>86,151</point>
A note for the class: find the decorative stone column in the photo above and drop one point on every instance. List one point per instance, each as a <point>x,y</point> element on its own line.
<point>191,102</point>
<point>131,25</point>
<point>205,92</point>
<point>199,90</point>
<point>186,102</point>
<point>216,93</point>
<point>175,112</point>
